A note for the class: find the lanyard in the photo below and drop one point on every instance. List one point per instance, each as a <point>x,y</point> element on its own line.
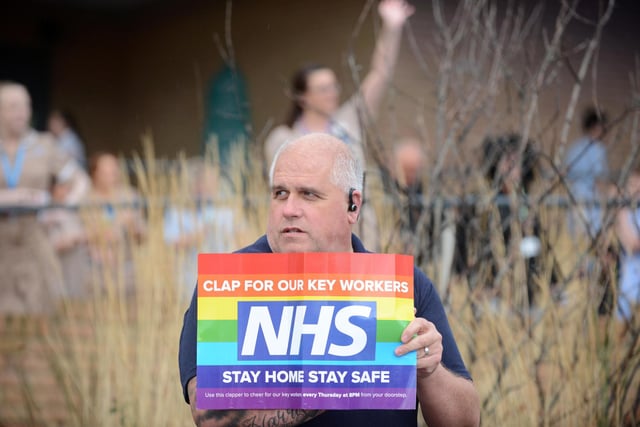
<point>12,172</point>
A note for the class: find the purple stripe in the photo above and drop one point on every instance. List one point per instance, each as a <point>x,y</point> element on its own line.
<point>295,377</point>
<point>374,398</point>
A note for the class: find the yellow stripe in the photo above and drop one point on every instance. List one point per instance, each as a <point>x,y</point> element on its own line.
<point>227,308</point>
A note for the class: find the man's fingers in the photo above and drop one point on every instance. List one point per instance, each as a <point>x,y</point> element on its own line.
<point>417,326</point>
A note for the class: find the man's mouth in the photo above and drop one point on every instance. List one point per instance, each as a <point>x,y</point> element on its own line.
<point>291,230</point>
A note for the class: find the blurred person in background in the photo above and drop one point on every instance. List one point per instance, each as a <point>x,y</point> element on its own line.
<point>628,232</point>
<point>199,223</point>
<point>587,170</point>
<point>588,178</point>
<point>315,94</point>
<point>66,233</point>
<point>447,235</point>
<point>510,172</point>
<point>409,159</point>
<point>63,127</point>
<point>409,165</point>
<point>30,162</point>
<point>114,218</point>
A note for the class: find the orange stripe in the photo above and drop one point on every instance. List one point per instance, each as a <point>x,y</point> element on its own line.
<point>270,285</point>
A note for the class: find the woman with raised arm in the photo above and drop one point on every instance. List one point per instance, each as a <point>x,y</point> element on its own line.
<point>315,93</point>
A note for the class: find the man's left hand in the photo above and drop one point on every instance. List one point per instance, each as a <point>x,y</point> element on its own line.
<point>422,337</point>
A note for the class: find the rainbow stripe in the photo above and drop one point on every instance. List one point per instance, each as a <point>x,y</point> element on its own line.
<point>226,308</point>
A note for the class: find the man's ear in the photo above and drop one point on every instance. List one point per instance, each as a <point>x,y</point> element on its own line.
<point>354,205</point>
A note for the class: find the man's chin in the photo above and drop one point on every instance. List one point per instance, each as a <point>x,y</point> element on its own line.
<point>297,243</point>
<point>290,247</point>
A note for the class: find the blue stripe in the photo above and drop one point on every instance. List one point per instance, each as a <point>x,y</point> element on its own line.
<point>224,353</point>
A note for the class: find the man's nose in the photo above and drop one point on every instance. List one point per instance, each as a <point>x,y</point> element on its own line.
<point>292,207</point>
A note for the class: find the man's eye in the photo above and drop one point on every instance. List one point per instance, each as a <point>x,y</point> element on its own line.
<point>280,194</point>
<point>309,195</point>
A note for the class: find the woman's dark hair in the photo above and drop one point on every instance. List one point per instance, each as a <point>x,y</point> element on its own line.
<point>68,118</point>
<point>495,148</point>
<point>592,117</point>
<point>299,86</point>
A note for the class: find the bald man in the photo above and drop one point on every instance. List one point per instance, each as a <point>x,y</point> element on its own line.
<point>30,163</point>
<point>310,211</point>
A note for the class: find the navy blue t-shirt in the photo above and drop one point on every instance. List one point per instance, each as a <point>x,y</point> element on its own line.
<point>428,305</point>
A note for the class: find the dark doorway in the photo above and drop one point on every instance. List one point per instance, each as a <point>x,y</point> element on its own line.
<point>31,67</point>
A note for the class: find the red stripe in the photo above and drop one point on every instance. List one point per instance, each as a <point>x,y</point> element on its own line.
<point>319,262</point>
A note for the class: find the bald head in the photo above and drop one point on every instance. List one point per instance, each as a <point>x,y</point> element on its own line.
<point>409,161</point>
<point>15,110</point>
<point>320,150</point>
<point>310,209</point>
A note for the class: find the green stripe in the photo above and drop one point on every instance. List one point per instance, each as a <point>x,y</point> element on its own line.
<point>390,330</point>
<point>217,331</point>
<point>227,330</point>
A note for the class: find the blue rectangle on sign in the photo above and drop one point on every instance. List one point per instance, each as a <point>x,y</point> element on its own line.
<point>306,330</point>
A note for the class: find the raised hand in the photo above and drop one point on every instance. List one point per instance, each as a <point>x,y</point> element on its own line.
<point>394,13</point>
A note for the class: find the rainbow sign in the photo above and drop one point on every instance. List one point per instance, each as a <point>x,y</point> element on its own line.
<point>304,331</point>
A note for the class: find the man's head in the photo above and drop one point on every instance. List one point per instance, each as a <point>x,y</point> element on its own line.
<point>104,170</point>
<point>594,122</point>
<point>15,110</point>
<point>311,178</point>
<point>409,157</point>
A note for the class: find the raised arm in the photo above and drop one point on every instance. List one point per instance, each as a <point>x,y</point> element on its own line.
<point>394,14</point>
<point>228,418</point>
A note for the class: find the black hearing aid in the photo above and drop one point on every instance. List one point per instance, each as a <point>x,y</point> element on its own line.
<point>352,206</point>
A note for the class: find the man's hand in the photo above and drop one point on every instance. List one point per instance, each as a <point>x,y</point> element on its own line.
<point>445,398</point>
<point>24,197</point>
<point>394,13</point>
<point>418,336</point>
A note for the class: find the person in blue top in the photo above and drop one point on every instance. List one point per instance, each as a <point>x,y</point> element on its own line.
<point>62,126</point>
<point>628,232</point>
<point>316,196</point>
<point>587,169</point>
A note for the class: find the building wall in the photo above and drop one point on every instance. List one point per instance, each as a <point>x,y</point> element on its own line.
<point>148,70</point>
<point>153,75</point>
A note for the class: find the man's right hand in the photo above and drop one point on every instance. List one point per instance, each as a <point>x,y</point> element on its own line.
<point>250,418</point>
<point>24,197</point>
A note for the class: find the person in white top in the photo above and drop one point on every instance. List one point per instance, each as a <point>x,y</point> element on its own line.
<point>316,92</point>
<point>316,100</point>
